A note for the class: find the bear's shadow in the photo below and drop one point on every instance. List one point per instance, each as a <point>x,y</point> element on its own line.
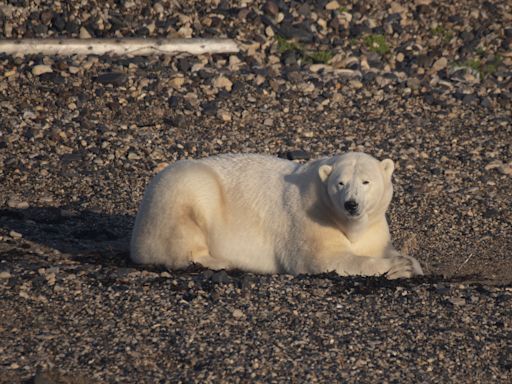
<point>99,237</point>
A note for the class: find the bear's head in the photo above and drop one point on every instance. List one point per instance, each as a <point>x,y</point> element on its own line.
<point>358,186</point>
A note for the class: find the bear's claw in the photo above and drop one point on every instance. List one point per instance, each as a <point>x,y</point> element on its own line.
<point>403,267</point>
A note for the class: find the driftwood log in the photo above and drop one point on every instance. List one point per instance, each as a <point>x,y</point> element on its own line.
<point>125,46</point>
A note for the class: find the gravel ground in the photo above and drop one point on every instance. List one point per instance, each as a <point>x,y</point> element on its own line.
<point>426,83</point>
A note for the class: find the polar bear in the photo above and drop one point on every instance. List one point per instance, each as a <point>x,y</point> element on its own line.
<point>268,215</point>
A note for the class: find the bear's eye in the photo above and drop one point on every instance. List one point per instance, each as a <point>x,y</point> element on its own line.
<point>366,182</point>
<point>341,184</point>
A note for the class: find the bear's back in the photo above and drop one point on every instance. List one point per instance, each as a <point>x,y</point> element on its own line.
<point>249,170</point>
<point>253,186</point>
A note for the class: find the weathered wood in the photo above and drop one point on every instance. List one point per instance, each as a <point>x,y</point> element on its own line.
<point>125,46</point>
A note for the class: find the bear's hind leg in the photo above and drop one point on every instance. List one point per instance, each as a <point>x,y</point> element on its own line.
<point>189,245</point>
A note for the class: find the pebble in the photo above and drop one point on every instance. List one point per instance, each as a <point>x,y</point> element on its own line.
<point>15,235</point>
<point>38,70</point>
<point>238,314</point>
<point>347,73</point>
<point>413,83</point>
<point>224,115</point>
<point>500,166</point>
<point>223,82</point>
<point>4,275</point>
<point>332,5</point>
<point>440,64</point>
<point>271,8</point>
<point>177,82</point>
<point>116,78</point>
<point>221,277</point>
<point>268,122</point>
<point>84,33</point>
<point>17,204</point>
<point>320,67</point>
<point>457,301</point>
<point>356,84</point>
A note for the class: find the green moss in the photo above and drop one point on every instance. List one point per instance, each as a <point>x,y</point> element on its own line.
<point>491,67</point>
<point>321,57</point>
<point>482,68</point>
<point>480,52</point>
<point>444,33</point>
<point>376,43</point>
<point>474,64</point>
<point>284,45</point>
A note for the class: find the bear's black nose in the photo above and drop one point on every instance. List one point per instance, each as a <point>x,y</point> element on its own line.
<point>351,206</point>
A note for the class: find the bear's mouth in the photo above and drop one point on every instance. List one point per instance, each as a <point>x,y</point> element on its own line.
<point>354,215</point>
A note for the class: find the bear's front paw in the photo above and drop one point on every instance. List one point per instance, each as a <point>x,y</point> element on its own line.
<point>403,267</point>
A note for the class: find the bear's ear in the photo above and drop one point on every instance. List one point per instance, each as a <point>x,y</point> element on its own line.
<point>324,171</point>
<point>388,166</point>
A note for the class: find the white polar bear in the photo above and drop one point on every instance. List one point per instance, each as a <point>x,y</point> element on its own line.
<point>267,215</point>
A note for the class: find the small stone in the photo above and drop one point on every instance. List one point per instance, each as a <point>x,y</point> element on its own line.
<point>10,73</point>
<point>4,275</point>
<point>493,165</point>
<point>413,83</point>
<point>38,70</point>
<point>440,64</point>
<point>270,8</point>
<point>356,84</point>
<point>158,8</point>
<point>347,73</point>
<point>506,169</point>
<point>223,82</point>
<point>294,76</point>
<point>260,79</point>
<point>300,33</point>
<point>486,102</point>
<point>234,62</point>
<point>17,204</point>
<point>490,213</point>
<point>320,67</point>
<point>84,33</point>
<point>116,78</point>
<point>470,99</point>
<point>332,5</point>
<point>457,301</point>
<point>237,314</point>
<point>400,57</point>
<point>15,235</point>
<point>8,26</point>
<point>221,277</point>
<point>177,82</point>
<point>46,17</point>
<point>268,122</point>
<point>73,70</point>
<point>224,115</point>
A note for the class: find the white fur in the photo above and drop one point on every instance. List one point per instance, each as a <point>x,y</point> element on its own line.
<point>263,214</point>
